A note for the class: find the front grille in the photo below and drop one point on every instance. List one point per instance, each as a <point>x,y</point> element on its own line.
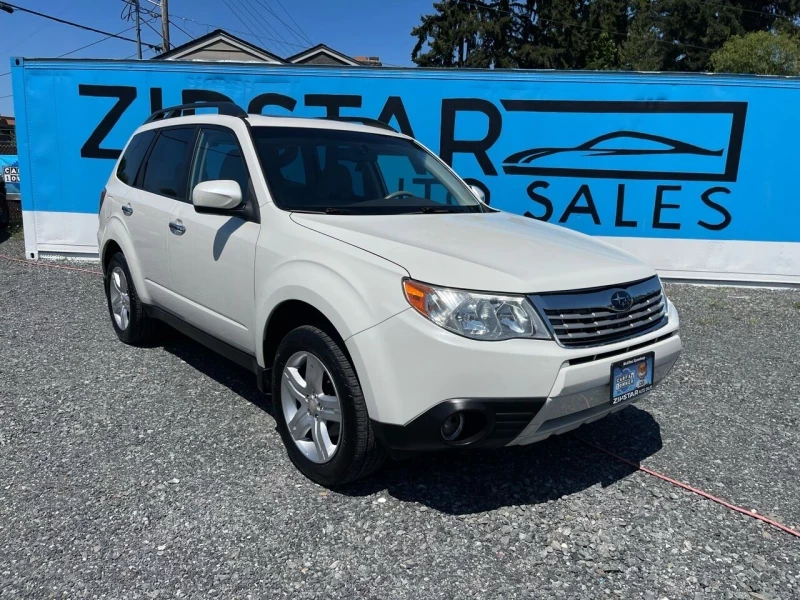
<point>586,318</point>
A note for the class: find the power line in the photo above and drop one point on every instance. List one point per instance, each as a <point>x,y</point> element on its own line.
<point>308,39</point>
<point>747,10</point>
<point>153,29</point>
<point>288,28</point>
<point>38,29</point>
<point>135,53</point>
<point>235,11</point>
<point>249,34</point>
<point>108,37</point>
<point>186,33</point>
<point>94,43</point>
<point>254,12</point>
<point>236,14</point>
<point>70,23</point>
<point>143,9</point>
<point>134,14</point>
<point>265,20</point>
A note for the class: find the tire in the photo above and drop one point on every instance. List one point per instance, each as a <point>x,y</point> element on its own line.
<point>357,452</point>
<point>138,328</point>
<point>5,213</point>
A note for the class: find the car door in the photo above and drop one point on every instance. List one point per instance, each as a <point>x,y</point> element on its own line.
<point>162,181</point>
<point>212,255</point>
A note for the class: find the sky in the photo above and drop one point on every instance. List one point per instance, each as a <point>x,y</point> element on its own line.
<point>355,27</point>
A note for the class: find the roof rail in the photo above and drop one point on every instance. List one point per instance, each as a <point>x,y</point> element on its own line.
<point>224,108</point>
<point>363,121</point>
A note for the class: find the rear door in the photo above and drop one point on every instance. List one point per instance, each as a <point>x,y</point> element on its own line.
<point>120,188</point>
<point>212,256</point>
<point>162,182</point>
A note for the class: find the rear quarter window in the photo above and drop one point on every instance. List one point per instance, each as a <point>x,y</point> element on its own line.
<point>131,161</point>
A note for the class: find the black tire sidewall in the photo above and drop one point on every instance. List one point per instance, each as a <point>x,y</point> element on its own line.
<point>132,333</point>
<point>320,344</point>
<point>5,213</point>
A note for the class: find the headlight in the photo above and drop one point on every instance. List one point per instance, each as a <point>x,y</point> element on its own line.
<point>475,315</point>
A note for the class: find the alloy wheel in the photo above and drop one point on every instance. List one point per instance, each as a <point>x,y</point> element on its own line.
<point>311,406</point>
<point>120,298</point>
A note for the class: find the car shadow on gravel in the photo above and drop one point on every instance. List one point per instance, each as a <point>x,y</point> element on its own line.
<point>463,482</point>
<point>238,379</point>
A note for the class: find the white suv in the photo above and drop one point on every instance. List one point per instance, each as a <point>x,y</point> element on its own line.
<point>383,304</point>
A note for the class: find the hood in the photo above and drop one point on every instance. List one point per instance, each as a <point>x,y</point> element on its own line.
<point>497,252</point>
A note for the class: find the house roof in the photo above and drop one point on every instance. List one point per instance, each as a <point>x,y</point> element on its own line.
<point>214,37</point>
<point>322,49</point>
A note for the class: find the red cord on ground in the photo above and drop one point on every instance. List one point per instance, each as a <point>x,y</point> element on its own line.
<point>42,264</point>
<point>637,466</point>
<point>689,488</point>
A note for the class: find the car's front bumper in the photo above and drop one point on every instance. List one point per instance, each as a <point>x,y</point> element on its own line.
<point>414,374</point>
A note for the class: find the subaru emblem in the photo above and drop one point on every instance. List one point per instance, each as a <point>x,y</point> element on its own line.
<point>621,301</point>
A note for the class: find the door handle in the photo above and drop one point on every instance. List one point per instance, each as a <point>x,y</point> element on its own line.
<point>127,209</point>
<point>176,228</point>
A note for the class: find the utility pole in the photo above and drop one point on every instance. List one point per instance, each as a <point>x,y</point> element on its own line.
<point>138,30</point>
<point>165,26</point>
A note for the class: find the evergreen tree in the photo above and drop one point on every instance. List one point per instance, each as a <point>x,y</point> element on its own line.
<point>649,35</point>
<point>450,34</point>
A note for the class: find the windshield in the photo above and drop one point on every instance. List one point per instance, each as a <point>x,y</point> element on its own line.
<point>346,172</point>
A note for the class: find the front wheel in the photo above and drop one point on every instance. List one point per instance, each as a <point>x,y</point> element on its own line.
<point>320,411</point>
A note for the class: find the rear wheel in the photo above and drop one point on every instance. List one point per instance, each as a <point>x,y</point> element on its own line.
<point>128,317</point>
<point>320,411</point>
<point>4,212</point>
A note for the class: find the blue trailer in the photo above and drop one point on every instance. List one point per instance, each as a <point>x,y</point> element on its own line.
<point>694,173</point>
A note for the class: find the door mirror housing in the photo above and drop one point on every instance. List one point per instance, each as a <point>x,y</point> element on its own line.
<point>221,194</point>
<point>478,192</point>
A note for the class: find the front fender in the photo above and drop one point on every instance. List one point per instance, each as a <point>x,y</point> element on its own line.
<point>359,293</point>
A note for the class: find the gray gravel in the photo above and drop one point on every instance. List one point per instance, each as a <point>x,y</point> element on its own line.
<point>158,473</point>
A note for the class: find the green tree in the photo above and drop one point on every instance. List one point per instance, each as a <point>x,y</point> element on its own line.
<point>649,35</point>
<point>603,54</point>
<point>446,38</point>
<point>761,52</point>
<point>681,35</point>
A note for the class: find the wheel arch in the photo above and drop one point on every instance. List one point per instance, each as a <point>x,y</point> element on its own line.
<point>288,315</point>
<point>117,239</point>
<point>110,249</point>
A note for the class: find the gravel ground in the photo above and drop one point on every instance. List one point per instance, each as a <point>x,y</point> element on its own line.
<point>158,473</point>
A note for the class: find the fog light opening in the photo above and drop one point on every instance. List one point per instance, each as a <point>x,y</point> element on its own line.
<point>453,426</point>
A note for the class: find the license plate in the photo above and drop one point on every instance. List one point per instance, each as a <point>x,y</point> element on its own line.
<point>632,377</point>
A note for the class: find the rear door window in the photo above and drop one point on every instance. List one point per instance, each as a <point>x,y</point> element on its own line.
<point>132,159</point>
<point>167,169</point>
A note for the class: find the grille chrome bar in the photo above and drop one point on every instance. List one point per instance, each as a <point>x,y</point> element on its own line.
<point>604,312</point>
<point>585,318</point>
<point>579,320</point>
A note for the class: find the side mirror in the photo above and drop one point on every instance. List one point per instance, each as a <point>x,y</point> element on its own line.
<point>478,192</point>
<point>222,194</point>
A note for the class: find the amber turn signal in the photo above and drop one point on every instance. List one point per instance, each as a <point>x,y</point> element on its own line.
<point>415,294</point>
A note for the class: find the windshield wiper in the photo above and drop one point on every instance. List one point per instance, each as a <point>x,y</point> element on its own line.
<point>335,210</point>
<point>438,209</point>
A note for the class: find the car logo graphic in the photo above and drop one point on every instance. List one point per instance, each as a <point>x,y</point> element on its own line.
<point>621,301</point>
<point>655,140</point>
<point>591,149</point>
